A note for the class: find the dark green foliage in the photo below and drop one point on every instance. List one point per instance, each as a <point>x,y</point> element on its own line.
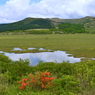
<point>66,84</point>
<point>15,69</point>
<point>71,28</point>
<point>1,25</point>
<point>4,58</point>
<point>65,68</point>
<point>49,66</point>
<point>28,23</point>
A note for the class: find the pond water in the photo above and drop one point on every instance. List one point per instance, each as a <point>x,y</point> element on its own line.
<point>56,56</point>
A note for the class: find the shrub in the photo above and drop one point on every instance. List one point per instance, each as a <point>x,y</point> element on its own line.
<point>40,81</point>
<point>67,84</point>
<point>4,58</point>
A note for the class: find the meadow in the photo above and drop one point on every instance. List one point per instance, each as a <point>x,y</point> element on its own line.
<point>18,78</point>
<point>80,45</point>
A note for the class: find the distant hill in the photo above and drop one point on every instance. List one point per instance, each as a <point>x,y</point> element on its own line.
<point>86,23</point>
<point>28,23</point>
<point>75,21</point>
<point>1,25</point>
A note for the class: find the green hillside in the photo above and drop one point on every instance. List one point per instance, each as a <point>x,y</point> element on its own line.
<point>75,21</point>
<point>71,28</point>
<point>81,25</point>
<point>28,23</point>
<point>1,25</point>
<point>87,22</point>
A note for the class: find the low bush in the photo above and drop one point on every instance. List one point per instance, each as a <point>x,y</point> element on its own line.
<point>52,79</point>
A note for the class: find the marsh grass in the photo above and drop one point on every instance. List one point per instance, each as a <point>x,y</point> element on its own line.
<point>80,45</point>
<point>29,51</point>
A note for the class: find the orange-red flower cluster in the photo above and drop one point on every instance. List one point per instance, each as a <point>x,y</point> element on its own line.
<point>41,80</point>
<point>23,83</point>
<point>45,79</point>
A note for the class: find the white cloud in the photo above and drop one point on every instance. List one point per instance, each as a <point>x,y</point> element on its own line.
<point>14,10</point>
<point>19,9</point>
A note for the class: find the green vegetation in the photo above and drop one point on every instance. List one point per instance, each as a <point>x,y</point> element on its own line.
<point>80,45</point>
<point>71,28</point>
<point>87,22</point>
<point>28,23</point>
<point>68,79</point>
<point>75,36</point>
<point>39,31</point>
<point>1,25</point>
<point>30,31</point>
<point>57,26</point>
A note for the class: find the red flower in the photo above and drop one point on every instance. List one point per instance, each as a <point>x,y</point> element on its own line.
<point>24,79</point>
<point>52,78</point>
<point>41,80</point>
<point>24,84</point>
<point>21,87</point>
<point>43,85</point>
<point>43,74</point>
<point>47,73</point>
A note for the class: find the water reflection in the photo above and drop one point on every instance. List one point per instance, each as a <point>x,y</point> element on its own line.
<point>37,49</point>
<point>56,56</point>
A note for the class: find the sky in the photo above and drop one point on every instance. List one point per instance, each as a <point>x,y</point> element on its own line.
<point>15,10</point>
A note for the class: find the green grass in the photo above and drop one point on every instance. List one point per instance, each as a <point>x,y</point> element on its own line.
<point>81,45</point>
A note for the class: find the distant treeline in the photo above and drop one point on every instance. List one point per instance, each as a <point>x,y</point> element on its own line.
<point>47,31</point>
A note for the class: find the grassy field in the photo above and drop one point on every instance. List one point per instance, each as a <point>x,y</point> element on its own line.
<point>81,45</point>
<point>68,79</point>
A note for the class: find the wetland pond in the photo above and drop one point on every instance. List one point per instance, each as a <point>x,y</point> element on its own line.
<point>43,55</point>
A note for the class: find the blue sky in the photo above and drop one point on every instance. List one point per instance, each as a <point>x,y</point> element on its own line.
<point>2,2</point>
<point>15,10</point>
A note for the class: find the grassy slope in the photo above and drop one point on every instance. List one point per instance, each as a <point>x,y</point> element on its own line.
<point>87,22</point>
<point>78,44</point>
<point>39,23</point>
